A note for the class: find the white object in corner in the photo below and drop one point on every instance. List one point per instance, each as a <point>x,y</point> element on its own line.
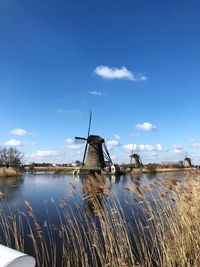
<point>13,258</point>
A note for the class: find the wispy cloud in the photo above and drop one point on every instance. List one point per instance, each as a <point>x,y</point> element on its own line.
<point>118,73</point>
<point>20,132</point>
<point>195,145</point>
<point>97,93</point>
<point>13,142</point>
<point>178,149</point>
<point>116,136</point>
<point>72,145</point>
<point>146,126</point>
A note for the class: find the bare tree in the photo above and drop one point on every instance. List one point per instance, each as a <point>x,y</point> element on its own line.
<point>10,157</point>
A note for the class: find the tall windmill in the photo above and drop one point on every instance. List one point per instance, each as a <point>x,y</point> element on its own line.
<point>135,159</point>
<point>95,151</point>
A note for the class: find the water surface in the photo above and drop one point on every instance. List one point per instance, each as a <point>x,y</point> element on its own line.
<point>46,193</point>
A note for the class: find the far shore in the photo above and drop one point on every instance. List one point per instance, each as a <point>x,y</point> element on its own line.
<point>10,171</point>
<point>167,170</point>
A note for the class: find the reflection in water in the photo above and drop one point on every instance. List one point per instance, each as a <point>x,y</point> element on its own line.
<point>137,185</point>
<point>114,178</point>
<point>89,207</point>
<point>150,175</point>
<point>95,190</point>
<point>11,187</point>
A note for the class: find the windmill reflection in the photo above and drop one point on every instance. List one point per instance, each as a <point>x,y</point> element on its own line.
<point>95,191</point>
<point>136,184</point>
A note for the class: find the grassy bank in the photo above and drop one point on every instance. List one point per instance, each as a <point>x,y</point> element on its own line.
<point>10,171</point>
<point>158,170</point>
<point>55,169</point>
<point>165,233</point>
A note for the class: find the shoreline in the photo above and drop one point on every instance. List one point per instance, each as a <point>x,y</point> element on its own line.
<point>10,171</point>
<point>160,170</point>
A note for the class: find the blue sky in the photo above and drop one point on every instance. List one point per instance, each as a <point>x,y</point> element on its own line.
<point>135,64</point>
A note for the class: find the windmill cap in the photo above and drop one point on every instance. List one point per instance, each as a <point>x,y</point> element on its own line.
<point>95,139</point>
<point>134,155</point>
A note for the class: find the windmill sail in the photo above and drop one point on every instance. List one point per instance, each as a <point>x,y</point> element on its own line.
<point>95,150</point>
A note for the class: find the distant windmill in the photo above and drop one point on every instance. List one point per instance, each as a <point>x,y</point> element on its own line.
<point>95,151</point>
<point>135,160</point>
<point>187,161</point>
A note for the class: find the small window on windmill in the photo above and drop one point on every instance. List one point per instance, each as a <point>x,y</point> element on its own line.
<point>93,156</point>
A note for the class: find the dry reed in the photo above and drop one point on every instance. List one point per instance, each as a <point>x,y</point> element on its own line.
<point>161,228</point>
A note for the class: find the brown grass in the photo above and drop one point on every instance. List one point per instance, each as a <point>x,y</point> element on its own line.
<point>165,232</point>
<point>9,172</point>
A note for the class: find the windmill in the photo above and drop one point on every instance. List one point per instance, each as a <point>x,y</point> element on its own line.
<point>135,159</point>
<point>187,161</point>
<point>95,152</point>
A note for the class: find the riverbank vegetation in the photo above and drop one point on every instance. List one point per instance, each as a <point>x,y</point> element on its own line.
<point>10,162</point>
<point>160,228</point>
<point>10,171</point>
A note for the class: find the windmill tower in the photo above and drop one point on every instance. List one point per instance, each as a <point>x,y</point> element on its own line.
<point>95,151</point>
<point>135,159</point>
<point>187,162</point>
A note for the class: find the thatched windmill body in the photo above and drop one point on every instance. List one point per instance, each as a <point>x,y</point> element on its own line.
<point>95,151</point>
<point>135,160</point>
<point>187,162</point>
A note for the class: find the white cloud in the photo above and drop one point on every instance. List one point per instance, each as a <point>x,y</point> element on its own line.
<point>20,132</point>
<point>130,147</point>
<point>118,73</point>
<point>178,149</point>
<point>96,93</point>
<point>69,141</point>
<point>195,145</point>
<point>112,143</point>
<point>146,148</point>
<point>177,146</point>
<point>143,148</point>
<point>146,126</point>
<point>71,144</point>
<point>43,154</point>
<point>13,142</point>
<point>160,148</point>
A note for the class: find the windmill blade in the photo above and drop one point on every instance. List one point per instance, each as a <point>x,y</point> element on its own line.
<point>132,150</point>
<point>106,150</point>
<point>131,154</point>
<point>80,138</point>
<point>84,154</point>
<point>89,127</point>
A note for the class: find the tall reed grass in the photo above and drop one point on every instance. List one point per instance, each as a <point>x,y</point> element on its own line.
<point>161,227</point>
